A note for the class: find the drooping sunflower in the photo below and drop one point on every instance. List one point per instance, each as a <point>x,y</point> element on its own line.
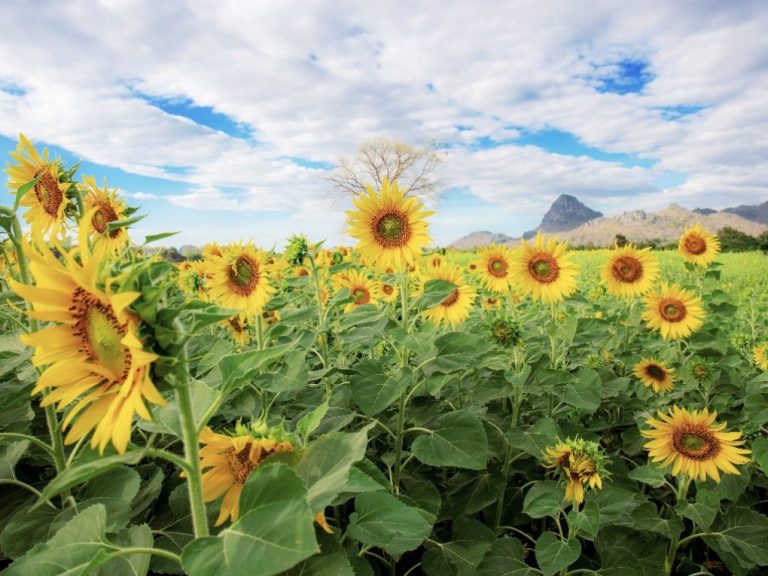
<point>102,206</point>
<point>495,267</point>
<point>227,461</point>
<point>46,201</point>
<point>698,246</point>
<point>239,279</point>
<point>630,272</point>
<point>545,270</point>
<point>192,278</point>
<point>674,311</point>
<point>361,288</point>
<point>95,362</point>
<point>391,229</point>
<point>579,463</point>
<point>237,326</point>
<point>694,444</point>
<point>457,307</point>
<point>654,374</point>
<point>760,354</point>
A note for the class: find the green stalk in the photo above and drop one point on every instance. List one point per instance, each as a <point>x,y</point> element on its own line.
<point>320,313</point>
<point>405,395</point>
<point>54,429</point>
<point>191,444</point>
<point>683,483</point>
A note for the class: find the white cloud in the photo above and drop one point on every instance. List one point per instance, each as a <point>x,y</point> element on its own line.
<point>312,80</point>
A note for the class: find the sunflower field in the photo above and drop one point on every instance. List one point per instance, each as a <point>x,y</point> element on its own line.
<point>378,409</point>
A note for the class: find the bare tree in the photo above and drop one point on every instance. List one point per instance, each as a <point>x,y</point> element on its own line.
<point>413,167</point>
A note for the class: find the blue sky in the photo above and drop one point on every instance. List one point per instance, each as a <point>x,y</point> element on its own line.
<point>223,121</point>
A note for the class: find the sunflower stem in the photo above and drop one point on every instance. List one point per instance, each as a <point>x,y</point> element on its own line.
<point>191,442</point>
<point>683,483</point>
<point>52,421</point>
<point>320,313</point>
<point>259,332</point>
<point>517,400</point>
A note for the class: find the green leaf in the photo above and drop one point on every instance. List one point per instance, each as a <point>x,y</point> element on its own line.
<point>274,532</point>
<point>553,554</point>
<point>583,391</point>
<point>155,237</point>
<point>458,440</point>
<point>309,422</point>
<point>505,558</point>
<point>543,499</point>
<point>169,416</point>
<point>237,369</point>
<point>760,453</point>
<point>130,564</point>
<point>627,552</point>
<point>77,545</point>
<point>117,224</point>
<point>535,439</point>
<point>382,520</point>
<point>613,503</point>
<point>325,465</point>
<point>740,537</point>
<point>704,511</point>
<point>88,469</point>
<point>332,561</point>
<point>456,351</point>
<point>646,517</point>
<point>435,292</point>
<point>10,454</point>
<point>648,474</point>
<point>459,557</point>
<point>587,520</point>
<point>116,490</point>
<point>374,389</point>
<point>23,189</point>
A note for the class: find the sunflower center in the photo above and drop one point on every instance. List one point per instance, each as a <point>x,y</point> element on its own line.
<point>498,267</point>
<point>672,310</point>
<point>695,244</point>
<point>391,228</point>
<point>362,295</point>
<point>700,371</point>
<point>656,372</point>
<point>104,215</point>
<point>544,268</point>
<point>627,269</point>
<point>100,332</point>
<point>387,289</point>
<point>696,443</point>
<point>240,463</point>
<point>235,324</point>
<point>452,299</point>
<point>47,192</point>
<point>243,275</point>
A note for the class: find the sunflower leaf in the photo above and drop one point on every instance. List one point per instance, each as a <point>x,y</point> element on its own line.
<point>458,440</point>
<point>554,554</point>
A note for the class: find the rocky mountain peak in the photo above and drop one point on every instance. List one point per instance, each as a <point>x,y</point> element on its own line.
<point>567,213</point>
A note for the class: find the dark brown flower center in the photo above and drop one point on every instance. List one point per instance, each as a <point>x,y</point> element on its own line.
<point>672,310</point>
<point>543,268</point>
<point>100,333</point>
<point>362,295</point>
<point>498,267</point>
<point>236,325</point>
<point>240,463</point>
<point>391,228</point>
<point>452,299</point>
<point>47,192</point>
<point>103,216</point>
<point>387,289</point>
<point>695,244</point>
<point>243,275</point>
<point>627,269</point>
<point>656,372</point>
<point>695,442</point>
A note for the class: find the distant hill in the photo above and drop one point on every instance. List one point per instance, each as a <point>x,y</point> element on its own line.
<point>704,211</point>
<point>665,225</point>
<point>757,213</point>
<point>480,239</point>
<point>566,213</point>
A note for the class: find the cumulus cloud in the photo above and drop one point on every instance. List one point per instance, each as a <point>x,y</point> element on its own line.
<point>311,80</point>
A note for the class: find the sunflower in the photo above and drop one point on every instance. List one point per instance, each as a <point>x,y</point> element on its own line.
<point>456,308</point>
<point>491,303</point>
<point>239,279</point>
<point>674,311</point>
<point>545,269</point>
<point>760,354</point>
<point>654,374</point>
<point>238,328</point>
<point>227,461</point>
<point>361,288</point>
<point>390,229</point>
<point>630,272</point>
<point>698,246</point>
<point>102,207</point>
<point>94,358</point>
<point>192,278</point>
<point>47,200</point>
<point>693,444</point>
<point>578,462</point>
<point>495,267</point>
<point>388,292</point>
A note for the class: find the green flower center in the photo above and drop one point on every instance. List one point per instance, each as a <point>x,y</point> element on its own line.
<point>362,296</point>
<point>672,310</point>
<point>498,267</point>
<point>543,268</point>
<point>626,269</point>
<point>243,275</point>
<point>391,228</point>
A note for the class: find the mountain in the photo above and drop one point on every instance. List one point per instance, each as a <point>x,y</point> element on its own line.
<point>757,213</point>
<point>480,239</point>
<point>665,225</point>
<point>566,213</point>
<point>704,211</point>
